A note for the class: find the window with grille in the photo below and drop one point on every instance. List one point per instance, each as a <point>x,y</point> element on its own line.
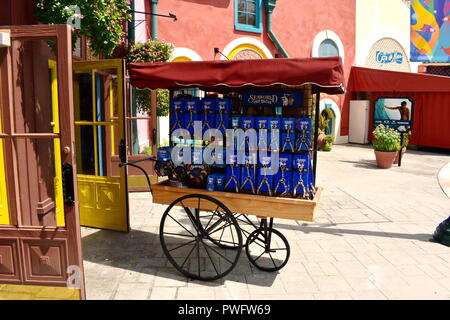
<point>248,15</point>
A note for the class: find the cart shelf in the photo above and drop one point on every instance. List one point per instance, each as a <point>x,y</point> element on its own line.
<point>259,205</point>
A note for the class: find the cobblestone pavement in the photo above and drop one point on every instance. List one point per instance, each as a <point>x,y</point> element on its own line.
<point>369,241</point>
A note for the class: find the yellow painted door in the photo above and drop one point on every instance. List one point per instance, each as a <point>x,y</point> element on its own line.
<point>99,130</point>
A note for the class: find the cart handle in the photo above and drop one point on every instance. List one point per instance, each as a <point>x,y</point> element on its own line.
<point>136,161</point>
<point>132,163</point>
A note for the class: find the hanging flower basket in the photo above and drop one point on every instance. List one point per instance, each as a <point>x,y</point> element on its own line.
<point>151,51</point>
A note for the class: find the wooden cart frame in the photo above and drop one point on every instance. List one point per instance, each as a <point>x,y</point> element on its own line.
<point>197,220</point>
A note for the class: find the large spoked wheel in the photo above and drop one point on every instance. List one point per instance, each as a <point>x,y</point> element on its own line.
<point>267,250</point>
<point>196,233</point>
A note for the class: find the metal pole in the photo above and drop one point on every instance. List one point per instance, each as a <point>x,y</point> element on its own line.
<point>400,152</point>
<point>316,134</point>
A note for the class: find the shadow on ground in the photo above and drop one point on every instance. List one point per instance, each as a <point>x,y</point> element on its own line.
<point>366,164</point>
<point>325,228</point>
<point>141,251</point>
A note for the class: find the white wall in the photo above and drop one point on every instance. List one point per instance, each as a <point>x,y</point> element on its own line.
<point>377,19</point>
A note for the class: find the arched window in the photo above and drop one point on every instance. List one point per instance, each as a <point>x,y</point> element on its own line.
<point>327,44</point>
<point>328,48</point>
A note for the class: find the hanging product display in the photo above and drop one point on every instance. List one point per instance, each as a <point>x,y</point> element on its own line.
<point>264,176</point>
<point>291,138</point>
<point>304,136</point>
<point>283,179</point>
<point>287,134</point>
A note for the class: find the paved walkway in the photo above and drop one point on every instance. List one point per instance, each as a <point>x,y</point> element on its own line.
<point>444,179</point>
<point>370,241</point>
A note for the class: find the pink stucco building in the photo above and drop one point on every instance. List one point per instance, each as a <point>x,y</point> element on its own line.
<point>243,29</point>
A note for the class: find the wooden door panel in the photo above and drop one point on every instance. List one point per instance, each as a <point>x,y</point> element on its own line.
<point>41,242</point>
<point>45,260</point>
<point>101,202</point>
<point>9,263</point>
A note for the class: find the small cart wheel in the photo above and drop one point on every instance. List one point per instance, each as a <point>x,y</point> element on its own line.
<point>268,250</point>
<point>195,232</point>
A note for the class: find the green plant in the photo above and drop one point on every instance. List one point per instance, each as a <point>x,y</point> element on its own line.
<point>147,151</point>
<point>323,123</point>
<point>329,139</point>
<point>386,139</point>
<point>151,51</point>
<point>101,20</point>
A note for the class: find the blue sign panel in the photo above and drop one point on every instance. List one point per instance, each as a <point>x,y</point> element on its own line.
<point>389,57</point>
<point>272,99</point>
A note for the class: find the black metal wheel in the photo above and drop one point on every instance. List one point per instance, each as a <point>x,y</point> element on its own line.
<point>246,224</point>
<point>196,233</point>
<point>267,249</point>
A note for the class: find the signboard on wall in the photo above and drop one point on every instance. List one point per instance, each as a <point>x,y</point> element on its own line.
<point>387,54</point>
<point>396,113</point>
<point>272,99</point>
<point>430,30</point>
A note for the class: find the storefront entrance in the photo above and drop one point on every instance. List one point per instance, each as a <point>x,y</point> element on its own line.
<point>100,142</point>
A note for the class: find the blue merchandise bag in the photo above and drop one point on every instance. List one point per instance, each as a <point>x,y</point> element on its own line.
<point>231,142</point>
<point>192,113</point>
<point>233,173</point>
<point>211,182</point>
<point>274,124</point>
<point>223,117</point>
<point>235,122</point>
<point>248,172</point>
<point>264,179</point>
<point>218,158</point>
<point>197,156</point>
<point>302,174</point>
<point>287,134</point>
<point>208,108</point>
<point>282,182</point>
<point>177,114</point>
<point>220,182</point>
<point>164,153</point>
<point>304,137</point>
<point>261,126</point>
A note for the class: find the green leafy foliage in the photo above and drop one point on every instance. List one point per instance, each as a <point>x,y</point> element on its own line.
<point>386,139</point>
<point>101,20</point>
<point>151,51</point>
<point>329,139</point>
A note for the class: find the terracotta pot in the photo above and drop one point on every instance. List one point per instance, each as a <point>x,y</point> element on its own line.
<point>385,159</point>
<point>397,154</point>
<point>321,140</point>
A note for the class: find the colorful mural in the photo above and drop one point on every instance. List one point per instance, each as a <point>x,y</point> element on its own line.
<point>430,30</point>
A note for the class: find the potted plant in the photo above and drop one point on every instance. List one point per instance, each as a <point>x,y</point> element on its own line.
<point>386,145</point>
<point>328,143</point>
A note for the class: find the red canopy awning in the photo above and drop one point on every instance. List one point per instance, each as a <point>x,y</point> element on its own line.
<point>325,74</point>
<point>374,80</point>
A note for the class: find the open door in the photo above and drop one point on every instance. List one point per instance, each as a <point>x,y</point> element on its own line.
<point>40,241</point>
<point>100,143</point>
